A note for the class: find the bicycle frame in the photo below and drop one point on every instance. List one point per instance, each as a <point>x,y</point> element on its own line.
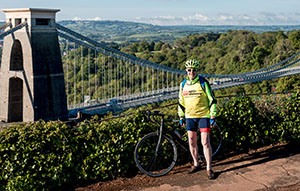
<point>169,133</point>
<point>160,135</point>
<point>165,131</point>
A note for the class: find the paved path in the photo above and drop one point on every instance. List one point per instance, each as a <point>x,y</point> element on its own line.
<point>271,168</point>
<point>249,173</point>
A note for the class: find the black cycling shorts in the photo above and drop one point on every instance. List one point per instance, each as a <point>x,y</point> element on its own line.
<point>193,123</point>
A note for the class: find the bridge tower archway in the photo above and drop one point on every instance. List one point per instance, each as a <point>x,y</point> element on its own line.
<point>32,83</point>
<point>15,100</point>
<point>16,57</point>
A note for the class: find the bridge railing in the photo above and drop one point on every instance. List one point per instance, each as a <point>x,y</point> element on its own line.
<point>126,98</point>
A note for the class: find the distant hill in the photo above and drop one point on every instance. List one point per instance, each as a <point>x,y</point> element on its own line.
<point>121,31</point>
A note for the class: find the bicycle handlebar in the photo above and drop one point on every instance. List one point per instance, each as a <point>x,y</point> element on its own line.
<point>151,116</point>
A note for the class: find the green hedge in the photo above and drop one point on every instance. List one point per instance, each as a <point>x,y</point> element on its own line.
<point>289,129</point>
<point>46,156</point>
<point>54,155</point>
<point>240,122</point>
<point>248,123</point>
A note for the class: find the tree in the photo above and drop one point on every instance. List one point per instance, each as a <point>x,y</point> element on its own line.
<point>166,46</point>
<point>151,46</point>
<point>157,46</point>
<point>258,55</point>
<point>159,57</point>
<point>295,38</point>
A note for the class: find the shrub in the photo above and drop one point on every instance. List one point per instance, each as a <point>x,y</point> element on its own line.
<point>54,155</point>
<point>36,156</point>
<point>51,155</point>
<point>289,129</point>
<point>241,124</point>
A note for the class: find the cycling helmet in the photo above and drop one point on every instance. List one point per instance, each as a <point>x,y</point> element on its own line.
<point>192,63</point>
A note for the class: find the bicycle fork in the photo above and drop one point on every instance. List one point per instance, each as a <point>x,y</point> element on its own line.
<point>160,136</point>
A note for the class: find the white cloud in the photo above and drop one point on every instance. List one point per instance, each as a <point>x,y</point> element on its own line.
<point>280,18</point>
<point>90,19</point>
<point>76,19</point>
<point>199,17</point>
<point>164,17</point>
<point>225,19</point>
<point>95,19</point>
<point>263,18</point>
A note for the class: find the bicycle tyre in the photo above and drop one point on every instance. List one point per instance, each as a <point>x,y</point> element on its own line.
<point>216,139</point>
<point>147,162</point>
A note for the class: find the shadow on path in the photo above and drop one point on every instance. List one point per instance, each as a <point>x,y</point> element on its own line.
<point>260,157</point>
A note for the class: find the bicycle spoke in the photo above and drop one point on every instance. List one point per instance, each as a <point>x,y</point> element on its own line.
<point>151,163</point>
<point>155,164</point>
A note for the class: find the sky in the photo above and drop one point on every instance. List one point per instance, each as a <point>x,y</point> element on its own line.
<point>171,12</point>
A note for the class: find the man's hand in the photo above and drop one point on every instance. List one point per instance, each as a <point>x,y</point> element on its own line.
<point>212,122</point>
<point>182,122</point>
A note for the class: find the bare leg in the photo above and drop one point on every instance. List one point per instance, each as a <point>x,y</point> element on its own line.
<point>192,135</point>
<point>205,140</point>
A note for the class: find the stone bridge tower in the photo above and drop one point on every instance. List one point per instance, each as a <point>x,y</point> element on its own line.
<point>31,74</point>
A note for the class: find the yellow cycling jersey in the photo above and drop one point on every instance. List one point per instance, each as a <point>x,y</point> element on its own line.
<point>195,101</point>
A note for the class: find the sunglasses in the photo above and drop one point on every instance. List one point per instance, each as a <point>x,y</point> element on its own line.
<point>191,70</point>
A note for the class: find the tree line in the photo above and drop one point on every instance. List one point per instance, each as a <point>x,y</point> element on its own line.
<point>233,52</point>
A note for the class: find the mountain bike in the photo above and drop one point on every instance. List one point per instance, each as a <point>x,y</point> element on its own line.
<point>156,153</point>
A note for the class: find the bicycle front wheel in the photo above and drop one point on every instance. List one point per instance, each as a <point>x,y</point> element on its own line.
<point>155,162</point>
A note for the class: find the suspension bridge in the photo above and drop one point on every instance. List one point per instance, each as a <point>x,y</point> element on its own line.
<point>100,79</point>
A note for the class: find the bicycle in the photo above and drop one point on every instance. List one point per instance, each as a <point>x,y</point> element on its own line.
<point>156,153</point>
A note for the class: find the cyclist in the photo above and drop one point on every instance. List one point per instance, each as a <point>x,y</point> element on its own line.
<point>197,108</point>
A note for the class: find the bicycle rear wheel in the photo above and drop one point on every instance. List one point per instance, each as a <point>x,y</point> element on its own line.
<point>157,164</point>
<point>215,141</point>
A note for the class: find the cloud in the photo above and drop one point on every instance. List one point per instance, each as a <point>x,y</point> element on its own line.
<point>92,19</point>
<point>76,19</point>
<point>95,19</point>
<point>199,17</point>
<point>264,18</point>
<point>281,18</point>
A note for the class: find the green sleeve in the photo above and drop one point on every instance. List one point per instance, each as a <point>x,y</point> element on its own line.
<point>181,101</point>
<point>213,106</point>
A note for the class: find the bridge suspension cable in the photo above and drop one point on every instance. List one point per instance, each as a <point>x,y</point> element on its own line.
<point>136,60</point>
<point>123,76</point>
<point>4,25</point>
<point>116,53</point>
<point>2,35</point>
<point>107,77</point>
